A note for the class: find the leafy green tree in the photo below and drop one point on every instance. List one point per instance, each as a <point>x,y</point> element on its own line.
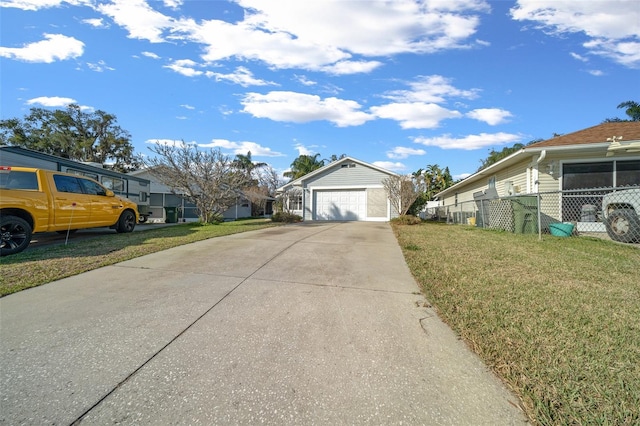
<point>303,165</point>
<point>495,156</point>
<point>334,157</point>
<point>246,164</point>
<point>632,110</point>
<point>73,134</point>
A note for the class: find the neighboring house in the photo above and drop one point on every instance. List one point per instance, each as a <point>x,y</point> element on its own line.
<point>345,190</point>
<point>603,156</point>
<point>161,197</point>
<point>134,188</point>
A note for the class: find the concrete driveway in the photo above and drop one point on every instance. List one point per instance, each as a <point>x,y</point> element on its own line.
<point>301,324</point>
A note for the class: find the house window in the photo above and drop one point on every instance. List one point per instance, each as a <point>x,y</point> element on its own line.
<point>456,199</point>
<point>492,182</point>
<point>114,184</point>
<point>81,173</point>
<point>295,202</point>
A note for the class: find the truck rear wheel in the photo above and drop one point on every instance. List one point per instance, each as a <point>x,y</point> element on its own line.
<point>127,222</point>
<point>16,235</point>
<point>623,225</point>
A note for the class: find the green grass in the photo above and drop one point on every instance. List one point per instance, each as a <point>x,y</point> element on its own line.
<point>558,320</point>
<point>38,266</point>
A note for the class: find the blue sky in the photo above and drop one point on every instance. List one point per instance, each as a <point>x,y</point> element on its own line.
<point>400,84</point>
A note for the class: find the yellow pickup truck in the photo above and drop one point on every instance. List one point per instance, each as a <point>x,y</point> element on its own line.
<point>37,200</point>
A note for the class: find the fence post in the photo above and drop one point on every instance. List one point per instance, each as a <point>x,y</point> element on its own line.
<point>539,218</point>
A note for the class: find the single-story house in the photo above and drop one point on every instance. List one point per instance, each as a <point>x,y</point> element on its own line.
<point>161,197</point>
<point>346,190</point>
<point>576,168</point>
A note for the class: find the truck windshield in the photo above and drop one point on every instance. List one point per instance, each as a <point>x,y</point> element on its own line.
<point>18,180</point>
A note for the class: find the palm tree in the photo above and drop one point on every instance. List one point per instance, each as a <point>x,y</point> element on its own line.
<point>245,164</point>
<point>303,165</point>
<point>632,109</point>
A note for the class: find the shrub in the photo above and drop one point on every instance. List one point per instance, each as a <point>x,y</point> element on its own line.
<point>406,219</point>
<point>286,217</point>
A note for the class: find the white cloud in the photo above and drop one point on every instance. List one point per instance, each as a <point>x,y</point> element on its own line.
<point>432,88</point>
<point>56,102</point>
<point>303,150</point>
<point>625,53</point>
<point>54,47</point>
<point>137,17</point>
<point>596,73</point>
<point>578,57</point>
<point>351,67</point>
<point>51,101</point>
<point>184,67</point>
<point>613,26</point>
<point>461,176</point>
<point>401,152</point>
<point>469,142</point>
<point>173,4</point>
<point>415,115</point>
<point>100,66</point>
<point>389,165</point>
<point>40,4</point>
<point>293,34</point>
<point>95,22</point>
<point>187,106</point>
<point>242,148</point>
<point>302,108</point>
<point>150,55</point>
<point>305,81</point>
<point>241,76</point>
<point>491,116</point>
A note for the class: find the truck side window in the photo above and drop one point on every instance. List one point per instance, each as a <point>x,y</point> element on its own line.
<point>20,180</point>
<point>92,187</point>
<point>67,184</point>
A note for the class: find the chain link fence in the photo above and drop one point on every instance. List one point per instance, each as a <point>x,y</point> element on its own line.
<point>612,213</point>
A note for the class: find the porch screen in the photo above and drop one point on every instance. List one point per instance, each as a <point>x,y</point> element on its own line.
<point>593,180</point>
<point>587,175</point>
<point>628,173</point>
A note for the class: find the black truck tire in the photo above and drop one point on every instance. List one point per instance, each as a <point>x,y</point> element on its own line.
<point>127,222</point>
<point>16,235</point>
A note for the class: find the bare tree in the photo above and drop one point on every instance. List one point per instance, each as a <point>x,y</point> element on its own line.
<point>403,191</point>
<point>289,198</point>
<point>207,179</point>
<point>269,178</point>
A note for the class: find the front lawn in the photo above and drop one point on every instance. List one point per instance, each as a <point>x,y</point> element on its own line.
<point>38,266</point>
<point>558,320</point>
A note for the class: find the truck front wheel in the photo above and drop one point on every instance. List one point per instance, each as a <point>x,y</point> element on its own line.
<point>16,235</point>
<point>127,222</point>
<point>623,225</point>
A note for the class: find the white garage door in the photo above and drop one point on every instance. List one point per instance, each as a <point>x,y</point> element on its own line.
<point>340,205</point>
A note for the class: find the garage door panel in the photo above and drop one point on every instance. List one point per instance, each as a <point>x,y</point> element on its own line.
<point>340,205</point>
